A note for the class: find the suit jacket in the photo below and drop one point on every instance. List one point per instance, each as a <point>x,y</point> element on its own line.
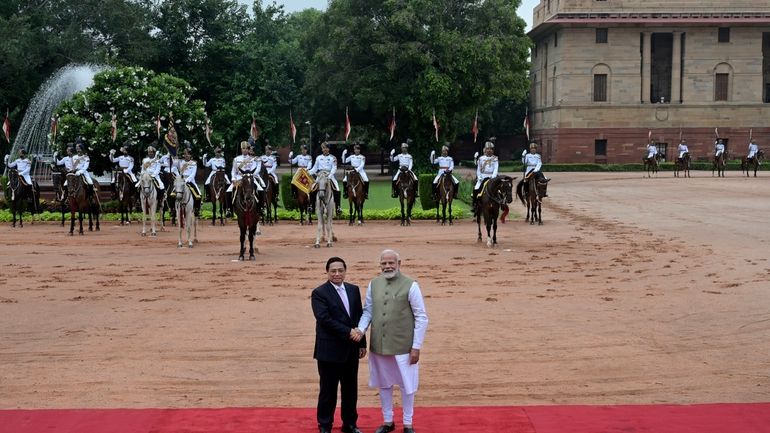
<point>333,324</point>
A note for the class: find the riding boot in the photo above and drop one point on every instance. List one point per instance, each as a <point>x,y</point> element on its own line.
<point>344,189</point>
<point>337,200</point>
<point>434,188</point>
<point>394,193</point>
<point>366,190</point>
<point>475,201</point>
<point>454,190</point>
<point>311,206</point>
<point>197,207</point>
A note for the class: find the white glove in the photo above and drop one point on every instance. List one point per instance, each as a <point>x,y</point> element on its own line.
<point>475,156</point>
<point>291,155</point>
<point>392,152</point>
<point>112,151</point>
<point>205,155</point>
<point>432,154</point>
<point>56,155</point>
<point>344,152</point>
<point>523,152</point>
<point>6,158</point>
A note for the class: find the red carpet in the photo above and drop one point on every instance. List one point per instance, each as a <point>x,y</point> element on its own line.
<point>711,418</point>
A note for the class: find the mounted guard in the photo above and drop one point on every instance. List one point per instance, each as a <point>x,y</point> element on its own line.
<point>486,168</point>
<point>326,162</point>
<point>124,161</point>
<point>445,166</point>
<point>215,164</point>
<point>80,164</point>
<point>151,164</point>
<point>357,163</point>
<point>188,168</point>
<point>533,164</point>
<point>404,159</point>
<point>245,162</point>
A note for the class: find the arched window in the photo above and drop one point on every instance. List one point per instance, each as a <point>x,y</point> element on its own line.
<point>601,83</point>
<point>723,83</point>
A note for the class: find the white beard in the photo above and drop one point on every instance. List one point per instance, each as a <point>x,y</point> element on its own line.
<point>390,275</point>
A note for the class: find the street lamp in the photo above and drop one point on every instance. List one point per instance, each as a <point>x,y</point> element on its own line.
<point>310,139</point>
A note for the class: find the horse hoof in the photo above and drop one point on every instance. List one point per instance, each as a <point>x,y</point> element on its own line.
<point>328,245</point>
<point>179,245</point>
<point>317,246</point>
<point>190,245</point>
<point>252,258</point>
<point>360,223</point>
<point>240,258</point>
<point>144,234</point>
<point>540,223</point>
<point>153,234</point>
<point>72,234</point>
<point>489,244</point>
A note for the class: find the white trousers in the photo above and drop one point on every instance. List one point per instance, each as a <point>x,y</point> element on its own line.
<point>386,402</point>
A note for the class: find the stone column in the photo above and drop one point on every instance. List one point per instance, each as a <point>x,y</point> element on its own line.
<point>676,69</point>
<point>646,66</point>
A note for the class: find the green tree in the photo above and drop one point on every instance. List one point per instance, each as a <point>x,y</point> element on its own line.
<point>136,96</point>
<point>451,56</point>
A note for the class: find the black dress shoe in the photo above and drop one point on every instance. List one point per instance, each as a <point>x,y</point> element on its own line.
<point>408,430</point>
<point>324,429</point>
<point>385,428</point>
<point>350,429</point>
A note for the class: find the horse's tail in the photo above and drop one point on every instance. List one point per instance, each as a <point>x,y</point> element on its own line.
<point>520,191</point>
<point>505,209</point>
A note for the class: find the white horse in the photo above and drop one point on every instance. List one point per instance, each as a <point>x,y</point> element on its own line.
<point>324,209</point>
<point>148,194</point>
<point>185,212</point>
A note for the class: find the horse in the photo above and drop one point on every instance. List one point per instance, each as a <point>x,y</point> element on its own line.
<point>719,165</point>
<point>683,164</point>
<point>324,209</point>
<point>217,194</point>
<point>531,194</point>
<point>184,207</point>
<point>20,195</point>
<point>80,202</point>
<point>652,164</point>
<point>168,182</point>
<point>148,196</point>
<point>247,209</point>
<point>126,192</point>
<point>271,196</point>
<point>748,164</point>
<point>446,194</point>
<point>495,195</point>
<point>407,191</point>
<point>60,191</point>
<point>356,196</point>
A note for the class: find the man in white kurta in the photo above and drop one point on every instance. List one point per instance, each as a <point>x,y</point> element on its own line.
<point>445,166</point>
<point>357,162</point>
<point>404,159</point>
<point>395,310</point>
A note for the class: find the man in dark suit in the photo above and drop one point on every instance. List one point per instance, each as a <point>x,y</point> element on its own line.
<point>337,309</point>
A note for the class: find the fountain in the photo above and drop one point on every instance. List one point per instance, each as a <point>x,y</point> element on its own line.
<point>34,131</point>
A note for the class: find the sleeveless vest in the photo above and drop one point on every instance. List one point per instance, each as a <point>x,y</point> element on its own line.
<point>392,318</point>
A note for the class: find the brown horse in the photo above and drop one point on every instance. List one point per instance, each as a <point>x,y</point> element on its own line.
<point>748,164</point>
<point>247,208</point>
<point>446,194</point>
<point>682,164</point>
<point>80,202</point>
<point>651,165</point>
<point>19,195</point>
<point>719,165</point>
<point>303,204</point>
<point>356,196</point>
<point>495,195</point>
<point>531,194</point>
<point>271,196</point>
<point>125,191</point>
<point>407,191</point>
<point>216,192</point>
<point>168,184</point>
<point>60,192</point>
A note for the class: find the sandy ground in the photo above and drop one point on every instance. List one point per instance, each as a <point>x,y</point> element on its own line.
<point>634,291</point>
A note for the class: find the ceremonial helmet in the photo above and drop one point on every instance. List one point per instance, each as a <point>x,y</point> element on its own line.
<point>217,149</point>
<point>245,145</point>
<point>79,147</point>
<point>150,149</point>
<point>533,145</point>
<point>404,146</point>
<point>489,145</point>
<point>356,146</point>
<point>22,151</point>
<point>324,145</point>
<point>123,148</point>
<point>268,148</point>
<point>70,148</point>
<point>443,148</point>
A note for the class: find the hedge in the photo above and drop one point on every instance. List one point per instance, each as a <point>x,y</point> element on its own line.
<point>286,197</point>
<point>425,182</point>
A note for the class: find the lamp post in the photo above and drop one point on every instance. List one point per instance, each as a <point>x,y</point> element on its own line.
<point>310,139</point>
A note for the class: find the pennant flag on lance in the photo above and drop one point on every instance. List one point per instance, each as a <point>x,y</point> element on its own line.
<point>7,127</point>
<point>207,130</point>
<point>254,133</point>
<point>716,132</point>
<point>157,125</point>
<point>292,128</point>
<point>475,127</point>
<point>435,124</point>
<point>171,141</point>
<point>302,180</point>
<point>526,123</point>
<point>54,129</point>
<point>347,124</point>
<point>392,126</point>
<point>114,128</point>
<point>649,135</point>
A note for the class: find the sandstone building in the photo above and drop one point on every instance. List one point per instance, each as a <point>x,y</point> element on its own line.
<point>606,73</point>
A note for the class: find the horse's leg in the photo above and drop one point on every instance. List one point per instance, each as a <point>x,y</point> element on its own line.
<point>90,220</point>
<point>494,231</point>
<point>242,227</point>
<point>213,211</point>
<point>252,229</point>
<point>351,212</point>
<point>181,224</point>
<point>403,216</point>
<point>319,216</point>
<point>62,213</point>
<point>72,219</point>
<point>450,212</point>
<point>80,219</point>
<point>195,229</point>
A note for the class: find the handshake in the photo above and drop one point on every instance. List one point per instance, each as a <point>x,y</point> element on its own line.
<point>356,334</point>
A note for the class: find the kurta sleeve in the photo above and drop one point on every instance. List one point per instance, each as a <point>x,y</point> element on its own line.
<point>420,316</point>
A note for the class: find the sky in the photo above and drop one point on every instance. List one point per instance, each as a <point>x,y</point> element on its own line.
<point>524,11</point>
